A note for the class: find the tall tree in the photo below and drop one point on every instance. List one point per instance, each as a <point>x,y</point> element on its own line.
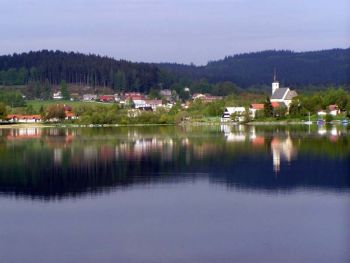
<point>64,90</point>
<point>3,111</point>
<point>268,109</point>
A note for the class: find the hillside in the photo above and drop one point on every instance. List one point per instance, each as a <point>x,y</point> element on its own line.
<point>327,67</point>
<point>297,69</point>
<point>75,68</point>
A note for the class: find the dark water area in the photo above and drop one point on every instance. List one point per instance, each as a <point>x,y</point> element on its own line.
<point>175,194</point>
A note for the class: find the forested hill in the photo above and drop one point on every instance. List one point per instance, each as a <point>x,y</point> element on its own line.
<point>76,68</point>
<point>327,67</point>
<point>293,68</point>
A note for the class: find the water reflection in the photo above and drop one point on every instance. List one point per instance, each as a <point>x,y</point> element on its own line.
<point>58,162</point>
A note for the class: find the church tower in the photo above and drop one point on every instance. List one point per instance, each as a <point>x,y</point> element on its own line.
<point>275,83</point>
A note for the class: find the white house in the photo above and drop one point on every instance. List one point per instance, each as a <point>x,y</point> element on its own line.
<point>57,95</point>
<point>282,95</point>
<point>89,97</point>
<point>238,111</point>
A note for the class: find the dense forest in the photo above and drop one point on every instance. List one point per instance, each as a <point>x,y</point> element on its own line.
<point>301,70</point>
<point>75,68</point>
<point>327,67</point>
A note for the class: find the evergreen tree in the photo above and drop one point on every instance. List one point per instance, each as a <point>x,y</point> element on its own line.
<point>121,83</point>
<point>3,111</point>
<point>268,109</point>
<point>64,90</point>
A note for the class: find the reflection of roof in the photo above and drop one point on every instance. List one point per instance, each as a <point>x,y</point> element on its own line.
<point>279,93</point>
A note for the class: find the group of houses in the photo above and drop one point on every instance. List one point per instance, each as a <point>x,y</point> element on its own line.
<point>36,118</point>
<point>280,97</point>
<point>136,99</point>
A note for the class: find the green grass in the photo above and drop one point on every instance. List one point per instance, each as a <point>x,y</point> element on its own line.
<point>36,104</point>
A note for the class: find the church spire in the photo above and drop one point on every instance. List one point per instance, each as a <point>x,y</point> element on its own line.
<point>274,75</point>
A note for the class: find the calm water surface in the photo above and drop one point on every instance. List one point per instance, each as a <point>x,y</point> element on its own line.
<point>172,194</point>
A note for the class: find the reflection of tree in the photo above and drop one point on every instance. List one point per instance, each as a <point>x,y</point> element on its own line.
<point>61,162</point>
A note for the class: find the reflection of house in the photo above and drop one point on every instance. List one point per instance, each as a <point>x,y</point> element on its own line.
<point>282,95</point>
<point>281,149</point>
<point>238,135</point>
<point>24,133</point>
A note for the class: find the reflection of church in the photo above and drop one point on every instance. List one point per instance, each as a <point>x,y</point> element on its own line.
<point>282,149</point>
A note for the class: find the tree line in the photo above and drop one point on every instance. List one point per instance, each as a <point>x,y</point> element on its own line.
<point>75,68</point>
<point>301,69</point>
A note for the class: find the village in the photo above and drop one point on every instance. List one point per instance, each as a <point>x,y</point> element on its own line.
<point>278,105</point>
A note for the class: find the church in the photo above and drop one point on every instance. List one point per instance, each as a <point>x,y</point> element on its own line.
<point>281,95</point>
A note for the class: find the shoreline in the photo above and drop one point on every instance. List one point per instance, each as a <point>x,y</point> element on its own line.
<point>43,125</point>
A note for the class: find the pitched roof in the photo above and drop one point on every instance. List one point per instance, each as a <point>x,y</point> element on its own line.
<point>291,94</point>
<point>257,106</point>
<point>279,93</point>
<point>275,104</point>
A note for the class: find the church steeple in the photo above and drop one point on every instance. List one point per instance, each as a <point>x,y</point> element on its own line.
<point>275,83</point>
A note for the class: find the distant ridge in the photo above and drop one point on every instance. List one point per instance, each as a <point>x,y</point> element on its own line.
<point>293,68</point>
<point>76,68</point>
<point>325,67</point>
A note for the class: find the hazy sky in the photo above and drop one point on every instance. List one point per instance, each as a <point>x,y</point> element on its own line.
<point>173,30</point>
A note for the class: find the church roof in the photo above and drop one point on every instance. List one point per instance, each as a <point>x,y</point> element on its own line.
<point>279,93</point>
<point>291,94</point>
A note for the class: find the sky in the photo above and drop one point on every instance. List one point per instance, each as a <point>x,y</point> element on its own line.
<point>182,31</point>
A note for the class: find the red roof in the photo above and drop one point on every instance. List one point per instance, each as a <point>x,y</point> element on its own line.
<point>107,97</point>
<point>154,102</point>
<point>69,114</point>
<point>275,104</point>
<point>23,117</point>
<point>257,106</point>
<point>136,97</point>
<point>333,107</point>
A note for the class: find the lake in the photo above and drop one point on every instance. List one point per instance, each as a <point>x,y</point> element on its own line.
<point>175,194</point>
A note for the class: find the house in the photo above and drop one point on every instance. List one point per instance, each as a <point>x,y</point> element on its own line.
<point>282,95</point>
<point>89,97</point>
<point>21,118</point>
<point>154,104</point>
<point>57,95</point>
<point>70,115</point>
<point>333,110</point>
<point>207,98</point>
<point>255,107</point>
<point>106,98</point>
<point>229,111</point>
<point>197,96</point>
<point>138,100</point>
<point>166,93</point>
